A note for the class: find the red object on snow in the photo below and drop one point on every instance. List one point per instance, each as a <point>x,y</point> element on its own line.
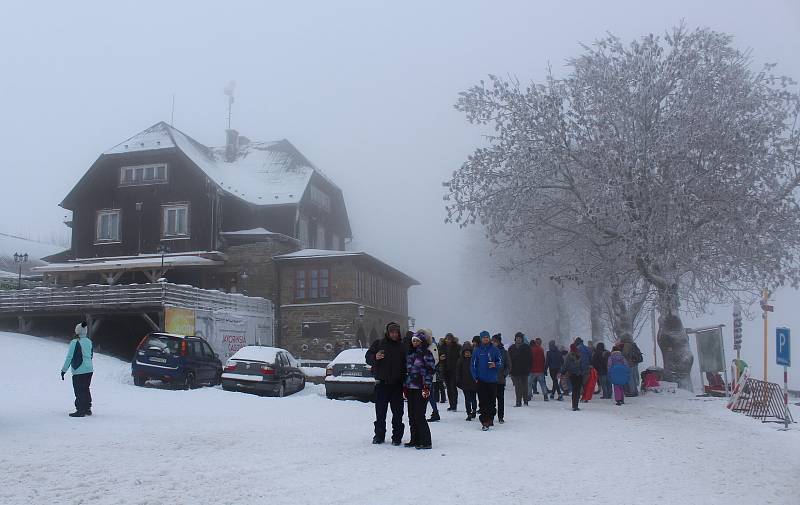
<point>588,389</point>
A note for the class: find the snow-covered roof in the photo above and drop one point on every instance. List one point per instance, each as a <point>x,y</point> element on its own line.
<point>257,353</point>
<point>348,356</point>
<point>137,263</point>
<point>307,254</point>
<point>248,233</point>
<point>318,253</point>
<point>262,173</point>
<point>10,244</point>
<point>155,137</point>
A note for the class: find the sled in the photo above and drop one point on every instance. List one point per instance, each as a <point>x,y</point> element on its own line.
<point>588,389</point>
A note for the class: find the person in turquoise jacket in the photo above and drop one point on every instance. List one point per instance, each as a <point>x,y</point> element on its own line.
<point>79,359</point>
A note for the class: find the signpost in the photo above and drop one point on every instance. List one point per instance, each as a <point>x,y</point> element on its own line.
<point>783,357</point>
<point>765,308</point>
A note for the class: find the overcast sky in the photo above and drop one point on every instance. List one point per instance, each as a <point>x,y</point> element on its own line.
<point>364,89</point>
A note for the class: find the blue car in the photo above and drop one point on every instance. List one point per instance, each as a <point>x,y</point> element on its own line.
<point>184,362</point>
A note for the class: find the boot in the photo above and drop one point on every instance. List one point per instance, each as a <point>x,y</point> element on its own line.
<point>377,440</point>
<point>434,417</point>
<point>77,414</point>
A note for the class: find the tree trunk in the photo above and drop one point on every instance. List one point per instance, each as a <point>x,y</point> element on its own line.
<point>561,315</point>
<point>594,294</point>
<point>673,340</point>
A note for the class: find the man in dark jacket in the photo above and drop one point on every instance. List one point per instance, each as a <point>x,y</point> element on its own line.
<point>449,354</point>
<point>600,363</point>
<point>502,373</point>
<point>519,360</point>
<point>387,356</point>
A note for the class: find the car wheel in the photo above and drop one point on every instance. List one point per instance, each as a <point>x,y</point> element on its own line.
<point>302,384</point>
<point>217,379</point>
<point>139,381</point>
<point>331,396</point>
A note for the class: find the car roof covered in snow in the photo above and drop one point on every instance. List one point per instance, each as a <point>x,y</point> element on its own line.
<point>348,356</point>
<point>257,353</point>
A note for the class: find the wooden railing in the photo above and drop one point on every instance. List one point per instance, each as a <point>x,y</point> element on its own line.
<point>126,296</point>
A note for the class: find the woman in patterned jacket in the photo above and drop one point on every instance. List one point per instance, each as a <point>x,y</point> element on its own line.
<point>420,366</point>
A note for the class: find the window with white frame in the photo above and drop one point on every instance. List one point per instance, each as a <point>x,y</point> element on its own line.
<point>176,220</point>
<point>143,174</point>
<point>107,229</point>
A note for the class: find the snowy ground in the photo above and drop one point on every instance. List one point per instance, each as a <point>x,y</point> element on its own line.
<point>151,446</point>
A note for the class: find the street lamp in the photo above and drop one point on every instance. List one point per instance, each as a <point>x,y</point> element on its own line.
<point>411,323</point>
<point>162,249</point>
<point>244,277</point>
<point>361,311</point>
<point>19,259</point>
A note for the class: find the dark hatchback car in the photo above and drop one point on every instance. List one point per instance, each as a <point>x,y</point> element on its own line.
<point>349,375</point>
<point>184,362</point>
<point>263,370</point>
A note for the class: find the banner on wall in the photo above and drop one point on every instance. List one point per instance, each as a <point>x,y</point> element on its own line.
<point>179,321</point>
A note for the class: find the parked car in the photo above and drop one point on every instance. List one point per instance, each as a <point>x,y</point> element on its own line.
<point>183,361</point>
<point>349,375</point>
<point>263,370</point>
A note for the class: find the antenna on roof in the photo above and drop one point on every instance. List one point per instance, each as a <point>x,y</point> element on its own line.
<point>229,91</point>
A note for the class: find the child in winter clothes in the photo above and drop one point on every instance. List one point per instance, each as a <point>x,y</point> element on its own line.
<point>465,381</point>
<point>618,373</point>
<point>419,377</point>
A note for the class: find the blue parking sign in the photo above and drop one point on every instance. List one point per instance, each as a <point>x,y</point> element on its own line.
<point>782,350</point>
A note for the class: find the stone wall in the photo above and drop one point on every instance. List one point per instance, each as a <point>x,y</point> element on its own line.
<point>256,260</point>
<point>347,329</point>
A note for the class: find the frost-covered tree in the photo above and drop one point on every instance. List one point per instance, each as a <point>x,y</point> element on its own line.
<point>670,155</point>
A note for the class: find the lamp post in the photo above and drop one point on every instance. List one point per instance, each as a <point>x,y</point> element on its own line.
<point>411,323</point>
<point>361,311</point>
<point>19,259</point>
<point>244,277</point>
<point>162,249</point>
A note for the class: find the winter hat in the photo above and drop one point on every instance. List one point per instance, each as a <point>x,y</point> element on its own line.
<point>450,335</point>
<point>578,340</point>
<point>519,334</point>
<point>497,337</point>
<point>392,326</point>
<point>80,329</point>
<point>485,333</point>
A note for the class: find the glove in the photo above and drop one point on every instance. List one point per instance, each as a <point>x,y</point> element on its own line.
<point>62,375</point>
<point>426,392</point>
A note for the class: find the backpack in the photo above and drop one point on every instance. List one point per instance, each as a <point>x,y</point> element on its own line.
<point>636,353</point>
<point>77,355</point>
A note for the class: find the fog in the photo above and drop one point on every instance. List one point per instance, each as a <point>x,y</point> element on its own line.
<point>364,89</point>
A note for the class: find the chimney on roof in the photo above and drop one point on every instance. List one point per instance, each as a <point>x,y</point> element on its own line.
<point>231,144</point>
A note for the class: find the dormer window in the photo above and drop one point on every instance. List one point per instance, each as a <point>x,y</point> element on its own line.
<point>143,174</point>
<point>320,199</point>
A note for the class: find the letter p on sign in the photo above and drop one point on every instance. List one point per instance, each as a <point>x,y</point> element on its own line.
<point>782,349</point>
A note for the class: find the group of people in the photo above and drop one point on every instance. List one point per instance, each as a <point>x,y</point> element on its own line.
<point>420,370</point>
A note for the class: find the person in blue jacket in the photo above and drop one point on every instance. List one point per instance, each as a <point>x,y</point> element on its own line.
<point>486,361</point>
<point>79,359</point>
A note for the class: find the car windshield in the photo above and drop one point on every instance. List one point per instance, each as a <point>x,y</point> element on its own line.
<point>163,343</point>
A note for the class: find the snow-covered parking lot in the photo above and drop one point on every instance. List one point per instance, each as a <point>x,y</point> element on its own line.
<point>152,446</point>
